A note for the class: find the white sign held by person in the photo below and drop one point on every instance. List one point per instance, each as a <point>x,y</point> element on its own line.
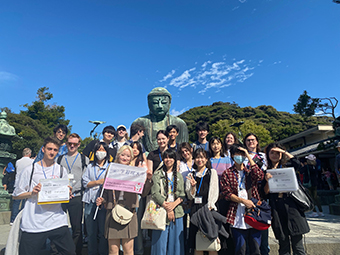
<point>54,191</point>
<point>283,180</point>
<point>125,178</point>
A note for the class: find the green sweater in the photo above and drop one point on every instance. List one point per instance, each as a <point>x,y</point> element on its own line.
<point>159,176</point>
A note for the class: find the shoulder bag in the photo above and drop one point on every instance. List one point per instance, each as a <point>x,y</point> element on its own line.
<point>302,199</point>
<point>120,214</point>
<point>204,244</point>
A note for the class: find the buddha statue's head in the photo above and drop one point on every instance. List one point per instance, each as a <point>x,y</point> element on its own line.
<point>159,101</point>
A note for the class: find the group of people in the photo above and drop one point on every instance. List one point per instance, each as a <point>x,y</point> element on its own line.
<point>215,179</point>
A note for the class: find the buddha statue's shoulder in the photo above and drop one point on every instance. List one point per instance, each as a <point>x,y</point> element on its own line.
<point>142,119</point>
<point>175,119</point>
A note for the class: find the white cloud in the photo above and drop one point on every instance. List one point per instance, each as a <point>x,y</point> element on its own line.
<point>242,1</point>
<point>6,76</point>
<point>212,75</point>
<point>176,113</point>
<point>168,76</point>
<point>235,8</point>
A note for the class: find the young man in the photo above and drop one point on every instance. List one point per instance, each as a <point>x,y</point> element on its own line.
<point>121,138</point>
<point>136,133</point>
<point>60,133</point>
<point>42,222</point>
<point>75,163</point>
<point>173,131</point>
<point>108,134</point>
<point>202,130</point>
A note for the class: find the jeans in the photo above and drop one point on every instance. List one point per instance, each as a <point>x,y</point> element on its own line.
<point>138,241</point>
<point>170,241</point>
<point>15,208</point>
<point>97,243</point>
<point>242,237</point>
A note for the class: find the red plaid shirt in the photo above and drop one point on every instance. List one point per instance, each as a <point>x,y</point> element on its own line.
<point>229,186</point>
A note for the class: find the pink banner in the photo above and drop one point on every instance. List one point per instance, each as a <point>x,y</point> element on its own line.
<point>128,186</point>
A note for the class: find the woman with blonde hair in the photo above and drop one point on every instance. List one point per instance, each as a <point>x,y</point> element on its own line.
<point>114,231</point>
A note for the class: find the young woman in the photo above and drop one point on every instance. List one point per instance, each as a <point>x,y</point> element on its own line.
<point>202,187</point>
<point>93,178</point>
<point>218,161</point>
<point>115,232</point>
<point>229,139</point>
<point>251,141</point>
<point>240,184</point>
<point>138,156</point>
<point>155,157</point>
<point>185,166</point>
<point>169,195</point>
<point>288,222</point>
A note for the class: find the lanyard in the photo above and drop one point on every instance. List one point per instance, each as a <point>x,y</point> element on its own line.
<point>199,188</point>
<point>97,177</point>
<point>239,185</point>
<point>159,154</point>
<point>72,163</point>
<point>171,185</point>
<point>217,162</point>
<point>189,169</point>
<point>42,166</point>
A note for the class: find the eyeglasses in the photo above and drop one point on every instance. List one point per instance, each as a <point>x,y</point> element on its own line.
<point>73,144</point>
<point>250,140</point>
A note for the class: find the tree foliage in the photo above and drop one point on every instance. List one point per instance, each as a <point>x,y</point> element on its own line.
<point>49,115</point>
<point>279,124</point>
<point>307,106</point>
<point>35,123</point>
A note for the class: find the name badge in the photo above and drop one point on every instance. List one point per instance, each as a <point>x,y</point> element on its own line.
<point>95,188</point>
<point>198,200</point>
<point>70,176</point>
<point>171,198</point>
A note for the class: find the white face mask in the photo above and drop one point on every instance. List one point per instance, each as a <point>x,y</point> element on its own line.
<point>100,155</point>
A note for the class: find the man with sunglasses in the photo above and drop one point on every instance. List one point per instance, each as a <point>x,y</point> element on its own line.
<point>75,164</point>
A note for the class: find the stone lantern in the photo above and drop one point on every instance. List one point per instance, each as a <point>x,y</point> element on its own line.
<point>7,133</point>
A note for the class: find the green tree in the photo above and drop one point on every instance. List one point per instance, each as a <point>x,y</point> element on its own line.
<point>84,143</point>
<point>307,106</point>
<point>49,115</point>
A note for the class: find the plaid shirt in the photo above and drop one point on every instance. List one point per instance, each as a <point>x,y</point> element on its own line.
<point>229,186</point>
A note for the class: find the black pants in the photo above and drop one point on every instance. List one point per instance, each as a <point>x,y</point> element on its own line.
<point>34,243</point>
<point>75,211</point>
<point>244,237</point>
<point>297,245</point>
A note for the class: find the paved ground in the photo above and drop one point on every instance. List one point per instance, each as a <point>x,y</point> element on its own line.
<point>323,239</point>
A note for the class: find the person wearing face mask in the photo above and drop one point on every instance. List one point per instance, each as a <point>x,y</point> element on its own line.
<point>109,133</point>
<point>239,184</point>
<point>92,180</point>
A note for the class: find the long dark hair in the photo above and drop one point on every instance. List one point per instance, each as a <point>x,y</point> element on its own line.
<point>96,147</point>
<point>170,153</point>
<point>258,148</point>
<point>211,141</point>
<point>282,161</point>
<point>204,153</point>
<point>140,157</point>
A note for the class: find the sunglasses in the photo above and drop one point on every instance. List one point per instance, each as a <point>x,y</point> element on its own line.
<point>73,144</point>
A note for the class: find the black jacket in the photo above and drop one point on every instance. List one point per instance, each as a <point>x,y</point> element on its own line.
<point>286,217</point>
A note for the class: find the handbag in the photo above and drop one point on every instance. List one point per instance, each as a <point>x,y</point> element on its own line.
<point>302,199</point>
<point>154,216</point>
<point>119,213</point>
<point>260,216</point>
<point>204,244</point>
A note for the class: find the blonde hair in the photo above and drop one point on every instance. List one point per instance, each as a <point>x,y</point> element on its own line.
<point>120,151</point>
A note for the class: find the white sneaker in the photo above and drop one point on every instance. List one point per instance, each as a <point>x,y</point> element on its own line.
<point>321,214</point>
<point>314,215</point>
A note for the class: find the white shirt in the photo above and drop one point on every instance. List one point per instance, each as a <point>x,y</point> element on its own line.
<point>39,218</point>
<point>20,165</point>
<point>241,208</point>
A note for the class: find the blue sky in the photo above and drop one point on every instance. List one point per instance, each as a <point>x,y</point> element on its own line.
<point>101,58</point>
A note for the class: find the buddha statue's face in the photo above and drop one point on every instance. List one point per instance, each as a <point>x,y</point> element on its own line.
<point>159,105</point>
